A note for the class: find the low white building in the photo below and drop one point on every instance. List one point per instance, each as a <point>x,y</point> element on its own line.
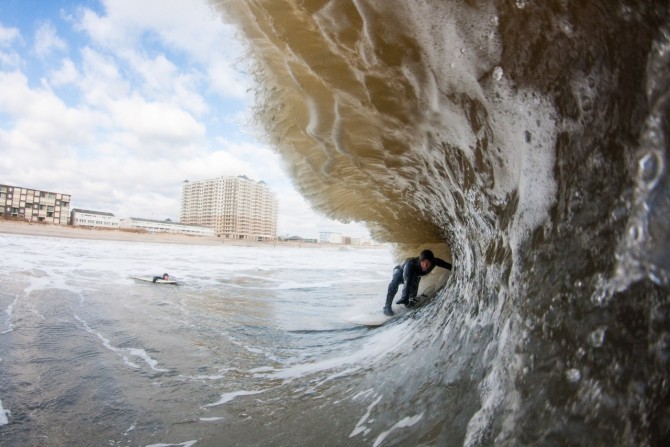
<point>93,219</point>
<point>328,237</point>
<point>165,226</point>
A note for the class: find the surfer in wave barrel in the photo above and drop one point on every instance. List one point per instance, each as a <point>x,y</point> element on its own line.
<point>409,274</point>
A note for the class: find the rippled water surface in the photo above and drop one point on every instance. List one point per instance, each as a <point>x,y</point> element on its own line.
<point>89,356</point>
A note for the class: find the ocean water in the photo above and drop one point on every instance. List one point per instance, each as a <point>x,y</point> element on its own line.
<point>525,141</point>
<point>251,336</point>
<point>528,142</point>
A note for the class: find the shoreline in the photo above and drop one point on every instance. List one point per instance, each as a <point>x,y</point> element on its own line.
<point>68,231</point>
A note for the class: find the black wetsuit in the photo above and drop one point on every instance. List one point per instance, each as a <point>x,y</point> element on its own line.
<point>409,274</point>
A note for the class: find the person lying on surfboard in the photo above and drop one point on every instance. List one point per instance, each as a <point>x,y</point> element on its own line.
<point>165,277</point>
<point>409,274</point>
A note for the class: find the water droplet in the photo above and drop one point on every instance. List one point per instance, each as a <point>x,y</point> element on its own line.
<point>601,298</point>
<point>619,212</point>
<point>650,168</point>
<point>663,348</point>
<point>520,4</point>
<point>656,279</point>
<point>567,28</point>
<point>638,387</point>
<point>573,375</point>
<point>636,232</point>
<point>626,12</point>
<point>597,337</point>
<point>497,73</point>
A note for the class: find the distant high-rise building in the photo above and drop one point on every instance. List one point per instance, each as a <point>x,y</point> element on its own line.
<point>34,205</point>
<point>235,207</point>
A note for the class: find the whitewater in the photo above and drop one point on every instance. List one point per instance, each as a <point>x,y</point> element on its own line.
<point>250,336</point>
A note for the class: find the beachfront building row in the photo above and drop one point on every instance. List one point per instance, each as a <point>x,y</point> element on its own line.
<point>329,237</point>
<point>165,226</point>
<point>34,205</point>
<point>93,219</point>
<point>102,219</point>
<point>234,207</point>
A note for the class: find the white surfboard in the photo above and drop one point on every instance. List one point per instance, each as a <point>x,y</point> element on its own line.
<point>371,319</point>
<point>151,279</point>
<point>377,318</point>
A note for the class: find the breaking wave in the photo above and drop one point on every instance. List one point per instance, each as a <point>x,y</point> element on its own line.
<point>527,141</point>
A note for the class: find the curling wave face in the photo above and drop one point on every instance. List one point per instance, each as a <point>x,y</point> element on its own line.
<point>531,139</point>
<point>398,116</point>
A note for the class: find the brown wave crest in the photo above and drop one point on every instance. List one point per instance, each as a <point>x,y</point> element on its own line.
<point>349,96</point>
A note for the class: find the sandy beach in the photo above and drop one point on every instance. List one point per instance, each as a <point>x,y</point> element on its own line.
<point>67,231</point>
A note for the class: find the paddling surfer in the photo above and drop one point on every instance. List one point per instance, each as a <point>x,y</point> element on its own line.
<point>409,274</point>
<point>165,277</point>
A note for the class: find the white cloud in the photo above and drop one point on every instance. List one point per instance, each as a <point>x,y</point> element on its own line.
<point>9,57</point>
<point>155,125</point>
<point>47,41</point>
<point>225,82</point>
<point>8,35</point>
<point>106,31</point>
<point>40,119</point>
<point>101,79</point>
<point>213,165</point>
<point>162,80</point>
<point>190,28</point>
<point>67,74</point>
<point>193,28</point>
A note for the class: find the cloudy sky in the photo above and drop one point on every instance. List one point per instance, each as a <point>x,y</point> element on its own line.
<point>117,102</point>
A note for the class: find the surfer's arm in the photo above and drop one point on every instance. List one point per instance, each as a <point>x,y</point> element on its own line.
<point>442,263</point>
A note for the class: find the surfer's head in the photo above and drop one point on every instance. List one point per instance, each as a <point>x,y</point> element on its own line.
<point>426,259</point>
<point>166,276</point>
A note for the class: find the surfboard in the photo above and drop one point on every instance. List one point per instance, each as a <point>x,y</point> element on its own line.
<point>372,319</point>
<point>151,280</point>
<point>377,318</point>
